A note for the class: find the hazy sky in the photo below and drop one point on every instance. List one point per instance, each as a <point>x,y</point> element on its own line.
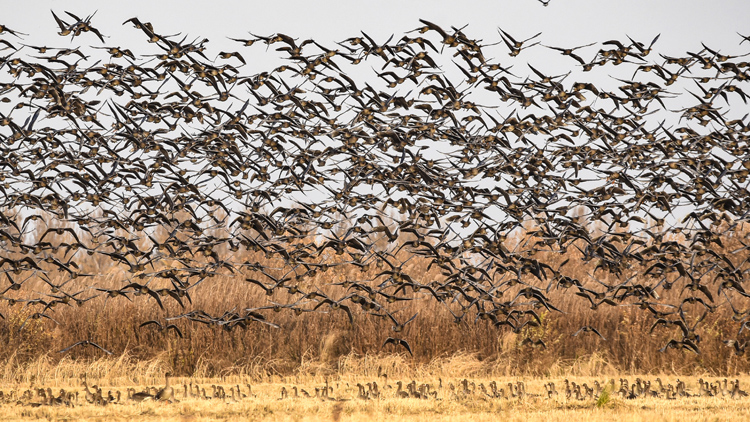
<point>682,23</point>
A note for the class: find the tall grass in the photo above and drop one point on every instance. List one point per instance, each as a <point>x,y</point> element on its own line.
<point>321,342</point>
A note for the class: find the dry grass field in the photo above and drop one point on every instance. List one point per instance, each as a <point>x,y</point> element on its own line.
<point>316,346</point>
<point>454,399</point>
<point>390,409</point>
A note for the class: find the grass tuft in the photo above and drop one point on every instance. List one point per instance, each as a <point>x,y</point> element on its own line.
<point>604,397</point>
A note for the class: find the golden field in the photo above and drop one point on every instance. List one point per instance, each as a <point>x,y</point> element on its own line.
<point>449,403</point>
<point>714,409</point>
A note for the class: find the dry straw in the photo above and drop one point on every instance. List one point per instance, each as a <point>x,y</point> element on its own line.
<point>322,343</point>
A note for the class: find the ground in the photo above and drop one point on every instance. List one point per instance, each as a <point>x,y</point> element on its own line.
<point>346,406</point>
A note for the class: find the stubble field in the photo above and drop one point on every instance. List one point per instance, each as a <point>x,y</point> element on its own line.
<point>345,403</point>
<point>459,387</point>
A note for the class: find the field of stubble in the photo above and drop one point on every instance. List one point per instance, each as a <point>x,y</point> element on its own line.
<point>448,398</point>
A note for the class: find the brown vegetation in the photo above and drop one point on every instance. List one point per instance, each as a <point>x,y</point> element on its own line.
<point>315,342</point>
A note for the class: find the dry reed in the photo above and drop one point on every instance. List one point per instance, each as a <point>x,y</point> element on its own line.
<point>321,342</point>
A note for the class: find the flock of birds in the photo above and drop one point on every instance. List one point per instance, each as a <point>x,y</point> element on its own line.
<point>344,391</point>
<point>367,154</point>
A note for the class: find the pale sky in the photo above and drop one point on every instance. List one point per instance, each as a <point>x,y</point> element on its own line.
<point>682,23</point>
